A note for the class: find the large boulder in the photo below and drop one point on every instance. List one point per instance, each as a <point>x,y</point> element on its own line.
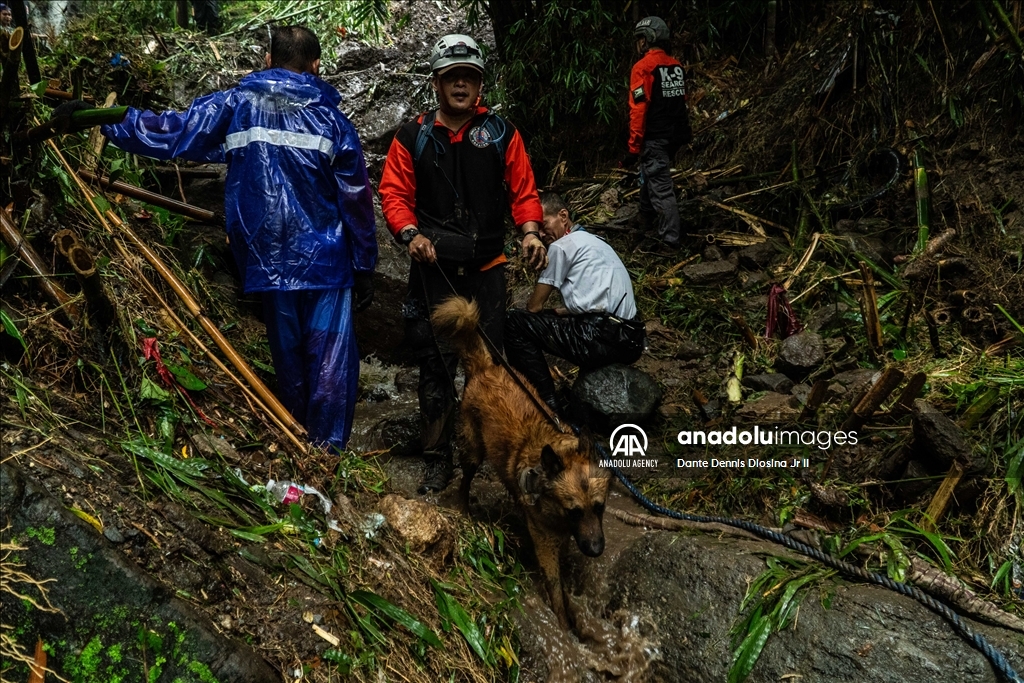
<point>692,588</point>
<point>616,394</point>
<point>800,354</point>
<point>710,272</point>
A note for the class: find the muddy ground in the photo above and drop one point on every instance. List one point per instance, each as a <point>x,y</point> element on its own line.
<point>160,578</point>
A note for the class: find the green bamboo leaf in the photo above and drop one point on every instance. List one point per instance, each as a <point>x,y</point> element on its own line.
<point>192,468</point>
<point>453,611</point>
<point>186,378</point>
<point>246,536</point>
<point>153,391</point>
<point>12,329</point>
<point>372,601</point>
<point>747,653</point>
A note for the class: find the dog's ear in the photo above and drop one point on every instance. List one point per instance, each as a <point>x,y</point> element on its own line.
<point>551,461</point>
<point>531,483</point>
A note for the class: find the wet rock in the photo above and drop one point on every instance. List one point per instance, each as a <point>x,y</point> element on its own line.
<point>688,350</point>
<point>399,434</point>
<point>407,380</point>
<point>113,534</point>
<point>757,256</point>
<point>775,381</point>
<point>771,407</point>
<point>419,525</point>
<point>801,392</point>
<point>752,280</point>
<point>354,56</point>
<point>800,354</point>
<point>211,446</point>
<point>868,633</point>
<point>617,394</point>
<point>938,441</point>
<point>850,383</point>
<point>915,481</point>
<point>713,252</point>
<point>710,272</point>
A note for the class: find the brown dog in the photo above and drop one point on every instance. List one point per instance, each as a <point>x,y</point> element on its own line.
<point>552,475</point>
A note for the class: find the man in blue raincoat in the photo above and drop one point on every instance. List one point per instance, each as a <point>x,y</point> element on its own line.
<point>299,215</point>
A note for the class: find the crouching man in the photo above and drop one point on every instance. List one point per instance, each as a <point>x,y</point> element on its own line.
<point>598,324</point>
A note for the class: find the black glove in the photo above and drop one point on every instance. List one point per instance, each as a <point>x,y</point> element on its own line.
<point>61,117</point>
<point>629,161</point>
<point>363,291</point>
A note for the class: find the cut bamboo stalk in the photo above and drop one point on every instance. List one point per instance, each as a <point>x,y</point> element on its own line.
<point>254,400</point>
<point>973,314</point>
<point>814,400</point>
<point>940,501</point>
<point>674,269</point>
<point>872,399</point>
<point>748,334</point>
<point>11,62</point>
<point>151,197</point>
<point>97,140</point>
<point>98,303</point>
<point>921,195</point>
<point>804,260</point>
<point>869,309</point>
<point>111,219</point>
<point>79,120</point>
<point>905,403</point>
<point>56,294</point>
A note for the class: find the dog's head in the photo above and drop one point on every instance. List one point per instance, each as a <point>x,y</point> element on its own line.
<point>570,489</point>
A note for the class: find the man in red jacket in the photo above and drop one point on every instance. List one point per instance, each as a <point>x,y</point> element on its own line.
<point>452,177</point>
<point>658,125</point>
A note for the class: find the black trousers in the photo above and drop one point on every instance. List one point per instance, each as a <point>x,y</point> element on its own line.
<point>590,340</point>
<point>437,360</point>
<point>657,191</point>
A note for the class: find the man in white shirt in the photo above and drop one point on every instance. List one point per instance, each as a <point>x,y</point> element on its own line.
<point>597,325</point>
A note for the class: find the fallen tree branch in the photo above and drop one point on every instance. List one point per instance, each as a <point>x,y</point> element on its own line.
<point>26,253</point>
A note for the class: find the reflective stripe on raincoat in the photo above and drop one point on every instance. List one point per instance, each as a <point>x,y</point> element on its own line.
<point>298,204</point>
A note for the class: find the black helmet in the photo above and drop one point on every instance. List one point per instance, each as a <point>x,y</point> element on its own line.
<point>653,29</point>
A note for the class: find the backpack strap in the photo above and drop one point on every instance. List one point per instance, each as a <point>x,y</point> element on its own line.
<point>493,124</point>
<point>426,128</point>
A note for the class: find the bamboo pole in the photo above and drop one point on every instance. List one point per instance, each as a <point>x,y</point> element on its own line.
<point>940,501</point>
<point>24,250</point>
<point>921,195</point>
<point>111,219</point>
<point>151,197</point>
<point>86,118</point>
<point>905,402</point>
<point>872,399</point>
<point>869,306</point>
<point>10,61</point>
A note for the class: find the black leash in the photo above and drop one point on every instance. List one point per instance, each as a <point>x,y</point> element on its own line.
<point>994,656</point>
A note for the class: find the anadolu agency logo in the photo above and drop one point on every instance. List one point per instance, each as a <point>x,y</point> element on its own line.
<point>628,444</point>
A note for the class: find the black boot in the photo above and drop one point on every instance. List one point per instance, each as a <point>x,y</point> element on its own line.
<point>438,471</point>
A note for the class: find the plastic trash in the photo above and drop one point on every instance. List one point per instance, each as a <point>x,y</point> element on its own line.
<point>289,492</point>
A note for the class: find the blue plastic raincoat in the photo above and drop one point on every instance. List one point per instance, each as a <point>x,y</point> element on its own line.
<point>299,212</point>
<point>298,204</point>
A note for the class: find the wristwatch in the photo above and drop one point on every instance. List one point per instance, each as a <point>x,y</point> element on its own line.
<point>407,236</point>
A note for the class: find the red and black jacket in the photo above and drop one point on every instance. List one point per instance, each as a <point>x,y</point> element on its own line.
<point>657,101</point>
<point>461,183</point>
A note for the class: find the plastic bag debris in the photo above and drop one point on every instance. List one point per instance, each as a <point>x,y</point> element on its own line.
<point>289,492</point>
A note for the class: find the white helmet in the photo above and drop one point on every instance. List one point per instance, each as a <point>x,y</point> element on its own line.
<point>455,50</point>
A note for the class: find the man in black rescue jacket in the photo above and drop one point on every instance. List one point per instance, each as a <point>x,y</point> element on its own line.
<point>659,124</point>
<point>451,178</point>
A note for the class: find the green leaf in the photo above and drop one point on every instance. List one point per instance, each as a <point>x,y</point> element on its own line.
<point>749,650</point>
<point>451,611</point>
<point>12,329</point>
<point>102,204</point>
<point>39,89</point>
<point>191,468</point>
<point>152,391</point>
<point>186,378</point>
<point>246,536</point>
<point>372,601</point>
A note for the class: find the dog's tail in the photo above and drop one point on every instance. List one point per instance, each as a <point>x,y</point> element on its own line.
<point>458,318</point>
